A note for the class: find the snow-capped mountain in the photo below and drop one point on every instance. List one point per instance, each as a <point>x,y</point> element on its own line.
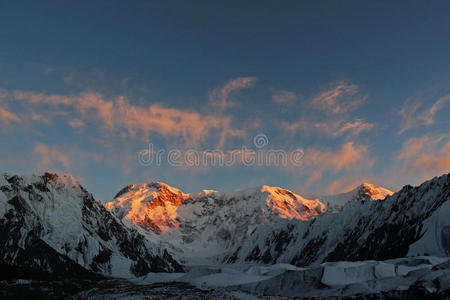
<point>152,206</point>
<point>259,241</point>
<point>412,221</point>
<point>210,224</point>
<point>365,191</point>
<point>51,224</point>
<point>273,225</point>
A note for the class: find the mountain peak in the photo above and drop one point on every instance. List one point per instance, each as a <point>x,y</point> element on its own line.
<point>365,191</point>
<point>161,208</point>
<point>62,180</point>
<point>373,191</point>
<point>152,205</point>
<point>59,181</point>
<point>152,186</point>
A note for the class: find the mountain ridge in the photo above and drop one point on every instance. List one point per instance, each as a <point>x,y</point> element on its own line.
<point>210,221</point>
<point>246,240</point>
<point>57,215</point>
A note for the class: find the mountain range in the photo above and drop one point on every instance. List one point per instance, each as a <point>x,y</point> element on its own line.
<point>52,227</point>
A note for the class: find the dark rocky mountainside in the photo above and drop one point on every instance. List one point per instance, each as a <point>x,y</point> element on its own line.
<point>52,225</point>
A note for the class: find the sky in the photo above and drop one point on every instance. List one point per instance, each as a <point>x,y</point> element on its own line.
<point>316,97</point>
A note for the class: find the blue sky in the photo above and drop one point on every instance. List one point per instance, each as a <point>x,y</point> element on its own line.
<point>361,88</point>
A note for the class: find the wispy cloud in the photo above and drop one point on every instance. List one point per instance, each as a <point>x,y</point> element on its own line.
<point>7,117</point>
<point>348,160</point>
<point>428,116</point>
<point>347,164</point>
<point>50,157</point>
<point>283,97</point>
<point>39,118</point>
<point>353,127</point>
<point>219,97</point>
<point>341,98</point>
<point>412,117</point>
<point>76,123</point>
<point>331,128</point>
<point>426,155</point>
<point>348,156</point>
<point>346,183</point>
<point>119,114</point>
<point>333,108</point>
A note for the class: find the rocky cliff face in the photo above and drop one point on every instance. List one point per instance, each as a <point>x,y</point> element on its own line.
<point>53,225</point>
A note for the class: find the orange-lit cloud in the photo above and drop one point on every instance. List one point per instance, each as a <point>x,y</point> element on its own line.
<point>428,116</point>
<point>219,97</point>
<point>411,117</point>
<point>426,155</point>
<point>339,99</point>
<point>348,156</point>
<point>350,165</point>
<point>49,156</point>
<point>7,117</point>
<point>119,114</point>
<point>345,184</point>
<point>315,175</point>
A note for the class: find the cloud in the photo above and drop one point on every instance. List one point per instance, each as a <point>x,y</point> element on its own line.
<point>345,184</point>
<point>7,117</point>
<point>38,117</point>
<point>348,156</point>
<point>334,128</point>
<point>219,97</point>
<point>408,115</point>
<point>316,161</point>
<point>332,107</point>
<point>48,157</point>
<point>348,164</point>
<point>426,155</point>
<point>353,128</point>
<point>411,117</point>
<point>76,123</point>
<point>339,99</point>
<point>336,186</point>
<point>428,116</point>
<point>314,177</point>
<point>283,97</point>
<point>120,114</point>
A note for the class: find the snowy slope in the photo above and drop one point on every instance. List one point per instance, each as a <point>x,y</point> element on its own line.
<point>365,191</point>
<point>360,231</point>
<point>401,278</point>
<point>51,223</point>
<point>152,206</point>
<point>273,225</point>
<point>396,276</point>
<point>436,234</point>
<point>209,225</point>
